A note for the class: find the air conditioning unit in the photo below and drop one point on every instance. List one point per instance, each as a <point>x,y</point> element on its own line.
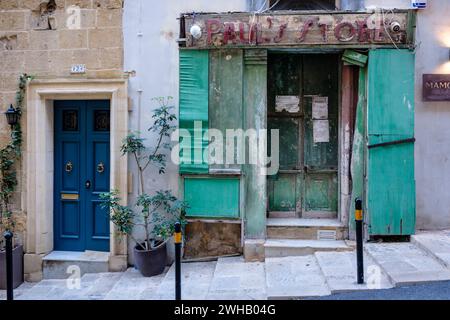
<point>419,4</point>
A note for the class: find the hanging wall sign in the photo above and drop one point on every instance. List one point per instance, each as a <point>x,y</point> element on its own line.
<point>436,87</point>
<point>296,29</point>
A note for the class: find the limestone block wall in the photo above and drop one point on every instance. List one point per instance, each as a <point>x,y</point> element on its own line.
<point>44,39</point>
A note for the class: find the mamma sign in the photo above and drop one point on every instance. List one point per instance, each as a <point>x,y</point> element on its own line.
<point>296,29</point>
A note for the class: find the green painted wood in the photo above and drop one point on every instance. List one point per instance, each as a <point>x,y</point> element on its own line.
<point>193,113</point>
<point>321,192</point>
<point>304,75</point>
<point>288,141</point>
<point>284,72</point>
<point>321,78</point>
<point>212,197</point>
<point>255,113</point>
<point>282,192</point>
<point>357,162</point>
<point>225,94</point>
<point>391,184</point>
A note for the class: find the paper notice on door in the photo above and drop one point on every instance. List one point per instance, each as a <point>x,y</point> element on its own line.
<point>320,108</point>
<point>321,131</point>
<point>288,103</point>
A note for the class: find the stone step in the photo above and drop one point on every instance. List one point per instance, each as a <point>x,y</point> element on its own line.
<point>236,279</point>
<point>294,247</point>
<point>196,279</point>
<point>305,229</point>
<point>61,264</point>
<point>436,244</point>
<point>406,264</point>
<point>294,278</point>
<point>339,270</point>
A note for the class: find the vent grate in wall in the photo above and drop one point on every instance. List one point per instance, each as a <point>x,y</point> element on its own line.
<point>326,235</point>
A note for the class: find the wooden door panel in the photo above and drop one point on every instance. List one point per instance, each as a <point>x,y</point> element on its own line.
<point>390,168</point>
<point>282,192</point>
<point>321,192</point>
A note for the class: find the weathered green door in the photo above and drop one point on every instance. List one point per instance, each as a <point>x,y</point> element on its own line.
<point>391,184</point>
<point>321,101</point>
<point>303,106</point>
<point>285,114</point>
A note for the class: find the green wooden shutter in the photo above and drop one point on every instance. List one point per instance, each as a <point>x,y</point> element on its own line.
<point>390,125</point>
<point>194,66</point>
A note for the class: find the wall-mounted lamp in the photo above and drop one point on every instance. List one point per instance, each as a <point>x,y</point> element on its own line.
<point>12,116</point>
<point>196,31</point>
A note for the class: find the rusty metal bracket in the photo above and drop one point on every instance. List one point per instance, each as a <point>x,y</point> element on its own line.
<point>390,143</point>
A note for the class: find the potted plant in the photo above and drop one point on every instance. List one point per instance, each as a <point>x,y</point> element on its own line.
<point>154,214</point>
<point>9,155</point>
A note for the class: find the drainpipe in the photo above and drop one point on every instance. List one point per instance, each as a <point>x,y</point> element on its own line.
<point>352,5</point>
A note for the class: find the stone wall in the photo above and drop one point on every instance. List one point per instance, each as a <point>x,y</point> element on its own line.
<point>44,39</point>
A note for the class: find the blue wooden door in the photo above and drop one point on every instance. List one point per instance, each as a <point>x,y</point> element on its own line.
<point>82,169</point>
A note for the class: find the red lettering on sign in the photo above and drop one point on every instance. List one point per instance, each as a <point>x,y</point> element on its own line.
<point>379,35</point>
<point>323,30</point>
<point>229,33</point>
<point>212,27</point>
<point>253,33</point>
<point>280,33</point>
<point>242,32</point>
<point>363,31</point>
<point>338,31</point>
<point>304,31</point>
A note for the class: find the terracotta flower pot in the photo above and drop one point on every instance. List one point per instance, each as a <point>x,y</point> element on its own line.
<point>17,268</point>
<point>150,262</point>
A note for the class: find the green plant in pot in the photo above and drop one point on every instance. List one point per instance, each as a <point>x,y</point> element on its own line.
<point>10,220</point>
<point>153,214</point>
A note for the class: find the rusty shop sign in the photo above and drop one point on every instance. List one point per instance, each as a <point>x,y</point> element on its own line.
<point>294,29</point>
<point>436,87</point>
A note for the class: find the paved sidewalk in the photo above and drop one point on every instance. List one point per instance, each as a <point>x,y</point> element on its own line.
<point>387,265</point>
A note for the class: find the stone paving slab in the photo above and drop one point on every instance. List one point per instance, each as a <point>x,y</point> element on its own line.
<point>435,243</point>
<point>294,278</point>
<point>235,279</point>
<point>196,279</point>
<point>406,264</point>
<point>133,286</point>
<point>339,269</point>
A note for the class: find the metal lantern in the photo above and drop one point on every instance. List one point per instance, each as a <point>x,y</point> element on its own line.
<point>12,116</point>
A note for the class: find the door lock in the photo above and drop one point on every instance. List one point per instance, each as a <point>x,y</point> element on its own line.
<point>88,184</point>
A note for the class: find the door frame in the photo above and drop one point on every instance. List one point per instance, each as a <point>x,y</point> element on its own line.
<point>38,199</point>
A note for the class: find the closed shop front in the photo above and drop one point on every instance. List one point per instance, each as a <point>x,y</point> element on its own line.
<point>286,118</point>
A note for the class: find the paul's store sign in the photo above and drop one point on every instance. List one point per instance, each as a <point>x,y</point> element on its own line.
<point>294,29</point>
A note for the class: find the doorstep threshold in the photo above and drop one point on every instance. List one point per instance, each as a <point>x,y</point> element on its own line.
<point>88,256</point>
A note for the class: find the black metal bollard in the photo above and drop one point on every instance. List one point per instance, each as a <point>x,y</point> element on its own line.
<point>359,241</point>
<point>9,266</point>
<point>177,240</point>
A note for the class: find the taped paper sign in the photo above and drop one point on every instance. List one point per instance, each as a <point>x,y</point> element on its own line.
<point>289,103</point>
<point>320,108</point>
<point>321,131</point>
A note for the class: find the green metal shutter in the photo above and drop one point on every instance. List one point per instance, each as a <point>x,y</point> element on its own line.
<point>212,197</point>
<point>390,125</point>
<point>194,65</point>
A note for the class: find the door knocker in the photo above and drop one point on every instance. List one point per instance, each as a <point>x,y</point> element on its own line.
<point>100,167</point>
<point>69,167</point>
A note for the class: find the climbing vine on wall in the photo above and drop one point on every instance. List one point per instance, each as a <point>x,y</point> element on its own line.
<point>9,156</point>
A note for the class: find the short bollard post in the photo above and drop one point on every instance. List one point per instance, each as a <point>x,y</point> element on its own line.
<point>359,240</point>
<point>177,238</point>
<point>9,266</point>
